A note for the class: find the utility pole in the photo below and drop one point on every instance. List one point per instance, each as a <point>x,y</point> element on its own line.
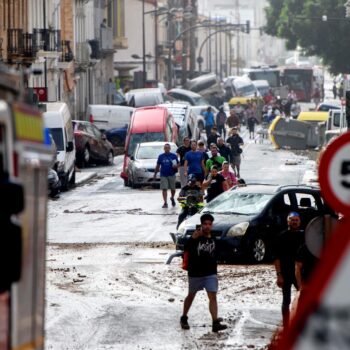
<point>143,45</point>
<point>210,53</point>
<point>216,46</point>
<point>185,42</point>
<point>238,20</point>
<point>220,48</point>
<point>193,37</point>
<point>156,39</point>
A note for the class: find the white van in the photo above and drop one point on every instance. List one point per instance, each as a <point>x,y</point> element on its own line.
<point>58,120</point>
<point>107,117</point>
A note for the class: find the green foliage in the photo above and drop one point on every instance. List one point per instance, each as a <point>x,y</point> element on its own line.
<point>300,23</point>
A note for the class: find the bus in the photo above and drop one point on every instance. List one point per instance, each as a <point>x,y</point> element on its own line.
<point>272,75</point>
<point>300,80</point>
<point>25,157</point>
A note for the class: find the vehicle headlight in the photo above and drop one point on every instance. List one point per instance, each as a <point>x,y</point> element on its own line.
<point>238,230</point>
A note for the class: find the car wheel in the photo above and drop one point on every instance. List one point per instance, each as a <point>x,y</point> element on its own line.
<point>72,179</point>
<point>65,183</point>
<point>110,158</point>
<point>86,156</point>
<point>258,250</point>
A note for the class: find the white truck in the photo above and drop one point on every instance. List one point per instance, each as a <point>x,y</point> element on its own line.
<point>24,162</point>
<point>336,124</point>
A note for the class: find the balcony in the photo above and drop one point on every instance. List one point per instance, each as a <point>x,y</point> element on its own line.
<point>120,42</point>
<point>19,44</point>
<point>106,39</point>
<point>47,42</point>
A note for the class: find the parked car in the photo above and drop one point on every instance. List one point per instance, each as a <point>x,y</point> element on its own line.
<point>199,111</point>
<point>107,117</point>
<point>53,183</point>
<point>247,219</point>
<point>209,86</point>
<point>144,97</point>
<point>91,144</point>
<point>262,86</point>
<point>113,120</point>
<point>58,120</point>
<point>192,98</point>
<point>185,119</point>
<point>326,105</point>
<point>147,124</point>
<point>143,163</point>
<point>240,87</point>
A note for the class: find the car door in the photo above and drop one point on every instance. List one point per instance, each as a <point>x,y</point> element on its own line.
<point>101,147</point>
<point>93,141</point>
<point>308,205</point>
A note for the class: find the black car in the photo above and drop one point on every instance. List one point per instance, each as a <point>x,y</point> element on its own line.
<point>247,219</point>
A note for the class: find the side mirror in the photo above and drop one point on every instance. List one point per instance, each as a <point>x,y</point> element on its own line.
<point>132,157</point>
<point>70,146</point>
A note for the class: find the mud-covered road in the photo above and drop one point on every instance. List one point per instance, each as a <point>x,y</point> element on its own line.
<point>108,286</point>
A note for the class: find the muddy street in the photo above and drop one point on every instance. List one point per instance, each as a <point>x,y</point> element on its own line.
<point>108,286</point>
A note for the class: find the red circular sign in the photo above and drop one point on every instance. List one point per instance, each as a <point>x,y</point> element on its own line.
<point>334,174</point>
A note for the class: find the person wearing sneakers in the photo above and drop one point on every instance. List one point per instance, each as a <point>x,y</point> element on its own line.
<point>168,164</point>
<point>201,254</point>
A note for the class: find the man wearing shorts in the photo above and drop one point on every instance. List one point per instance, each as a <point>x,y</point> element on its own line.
<point>200,252</point>
<point>167,163</point>
<point>235,142</point>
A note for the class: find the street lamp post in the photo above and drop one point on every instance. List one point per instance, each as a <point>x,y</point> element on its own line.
<point>143,45</point>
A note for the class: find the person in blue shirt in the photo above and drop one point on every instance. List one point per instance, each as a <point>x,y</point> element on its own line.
<point>168,164</point>
<point>209,120</point>
<point>194,162</point>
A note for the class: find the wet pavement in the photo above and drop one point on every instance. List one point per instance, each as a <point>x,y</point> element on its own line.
<point>108,286</point>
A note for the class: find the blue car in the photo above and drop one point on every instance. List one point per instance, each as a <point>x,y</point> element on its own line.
<point>117,136</point>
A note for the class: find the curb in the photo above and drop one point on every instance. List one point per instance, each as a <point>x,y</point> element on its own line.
<point>85,178</point>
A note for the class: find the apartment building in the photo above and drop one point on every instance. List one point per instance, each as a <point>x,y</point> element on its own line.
<point>70,41</point>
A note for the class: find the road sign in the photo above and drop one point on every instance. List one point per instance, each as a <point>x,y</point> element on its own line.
<point>334,174</point>
<point>322,320</point>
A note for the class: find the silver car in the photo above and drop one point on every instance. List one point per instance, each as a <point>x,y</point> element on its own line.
<point>144,161</point>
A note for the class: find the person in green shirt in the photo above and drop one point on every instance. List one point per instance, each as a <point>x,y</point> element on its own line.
<point>215,159</point>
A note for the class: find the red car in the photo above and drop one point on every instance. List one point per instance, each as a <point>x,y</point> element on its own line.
<point>91,145</point>
<point>148,124</point>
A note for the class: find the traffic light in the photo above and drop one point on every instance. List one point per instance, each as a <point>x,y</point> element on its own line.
<point>347,107</point>
<point>247,27</point>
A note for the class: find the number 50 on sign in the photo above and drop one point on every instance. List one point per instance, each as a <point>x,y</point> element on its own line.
<point>334,174</point>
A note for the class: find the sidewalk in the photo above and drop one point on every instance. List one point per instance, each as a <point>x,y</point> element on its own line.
<point>82,176</point>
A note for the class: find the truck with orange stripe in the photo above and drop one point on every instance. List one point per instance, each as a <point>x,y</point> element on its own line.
<point>25,158</point>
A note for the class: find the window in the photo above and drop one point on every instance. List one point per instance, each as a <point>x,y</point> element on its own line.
<point>96,132</point>
<point>57,135</point>
<point>306,201</point>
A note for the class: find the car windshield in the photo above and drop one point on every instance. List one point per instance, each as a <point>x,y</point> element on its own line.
<point>57,135</point>
<point>149,152</point>
<point>200,101</point>
<point>143,137</point>
<point>178,114</point>
<point>239,203</point>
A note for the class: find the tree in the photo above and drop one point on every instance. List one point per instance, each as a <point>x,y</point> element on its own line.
<point>300,23</point>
